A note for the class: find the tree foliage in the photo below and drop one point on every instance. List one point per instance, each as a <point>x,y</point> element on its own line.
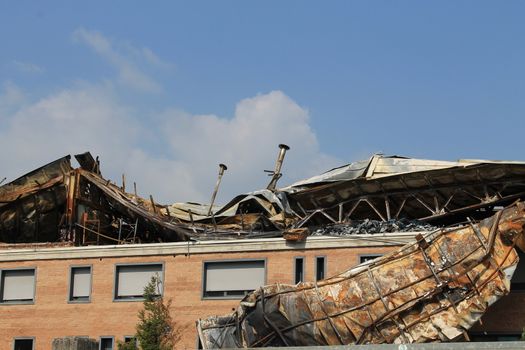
<point>155,330</point>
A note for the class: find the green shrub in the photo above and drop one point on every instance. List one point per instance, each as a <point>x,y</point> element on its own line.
<point>156,330</point>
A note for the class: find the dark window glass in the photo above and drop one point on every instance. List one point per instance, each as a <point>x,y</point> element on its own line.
<point>319,268</point>
<point>131,339</point>
<point>478,337</point>
<point>106,343</point>
<point>365,258</point>
<point>23,344</point>
<point>299,270</point>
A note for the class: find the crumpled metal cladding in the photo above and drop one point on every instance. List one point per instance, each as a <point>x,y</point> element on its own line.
<point>431,290</point>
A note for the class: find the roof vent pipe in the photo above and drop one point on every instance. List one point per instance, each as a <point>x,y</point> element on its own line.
<point>276,174</point>
<point>222,168</point>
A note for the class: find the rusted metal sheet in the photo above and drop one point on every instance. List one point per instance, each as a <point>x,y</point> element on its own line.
<point>58,203</point>
<point>296,234</point>
<point>32,206</point>
<point>87,162</point>
<point>432,290</point>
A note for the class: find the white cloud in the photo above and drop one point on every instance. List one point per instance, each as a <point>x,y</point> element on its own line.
<point>172,155</point>
<point>11,97</point>
<point>247,143</point>
<point>71,121</point>
<point>91,117</point>
<point>129,74</point>
<point>147,55</point>
<point>27,67</point>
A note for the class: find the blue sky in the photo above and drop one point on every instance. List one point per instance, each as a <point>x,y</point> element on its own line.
<point>165,91</point>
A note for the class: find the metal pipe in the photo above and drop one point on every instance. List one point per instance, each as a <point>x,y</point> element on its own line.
<point>222,168</point>
<point>276,174</point>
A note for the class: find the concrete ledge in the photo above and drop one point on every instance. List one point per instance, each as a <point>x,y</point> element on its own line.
<point>511,345</point>
<point>203,247</point>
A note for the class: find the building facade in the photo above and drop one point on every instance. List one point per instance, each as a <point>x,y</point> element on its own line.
<point>95,291</point>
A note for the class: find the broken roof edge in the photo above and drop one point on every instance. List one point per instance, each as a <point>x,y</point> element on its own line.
<point>377,166</point>
<point>380,165</point>
<point>19,180</point>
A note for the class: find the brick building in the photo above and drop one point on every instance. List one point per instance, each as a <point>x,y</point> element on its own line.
<point>78,249</point>
<point>95,291</point>
<point>89,291</point>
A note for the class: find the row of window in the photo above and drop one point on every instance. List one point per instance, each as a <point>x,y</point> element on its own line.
<point>221,279</point>
<point>17,286</point>
<point>105,343</point>
<point>320,266</point>
<point>234,279</point>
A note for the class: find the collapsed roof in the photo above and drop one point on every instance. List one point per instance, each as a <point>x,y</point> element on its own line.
<point>432,290</point>
<point>60,203</point>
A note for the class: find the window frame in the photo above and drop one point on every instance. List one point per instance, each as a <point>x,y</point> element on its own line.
<point>70,286</point>
<point>228,297</point>
<point>373,256</point>
<point>33,339</point>
<point>116,298</point>
<point>325,261</point>
<point>131,338</point>
<point>295,259</point>
<point>106,337</point>
<point>18,302</point>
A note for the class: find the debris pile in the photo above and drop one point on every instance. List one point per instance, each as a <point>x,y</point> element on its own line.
<point>369,226</point>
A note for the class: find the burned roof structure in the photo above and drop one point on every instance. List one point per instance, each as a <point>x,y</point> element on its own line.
<point>431,290</point>
<point>60,203</point>
<point>395,187</point>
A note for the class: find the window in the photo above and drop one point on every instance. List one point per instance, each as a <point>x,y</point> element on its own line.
<point>17,286</point>
<point>493,337</point>
<point>80,284</point>
<point>131,280</point>
<point>106,343</point>
<point>299,270</point>
<point>131,339</point>
<point>368,257</point>
<point>23,344</point>
<point>320,266</point>
<point>223,279</point>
